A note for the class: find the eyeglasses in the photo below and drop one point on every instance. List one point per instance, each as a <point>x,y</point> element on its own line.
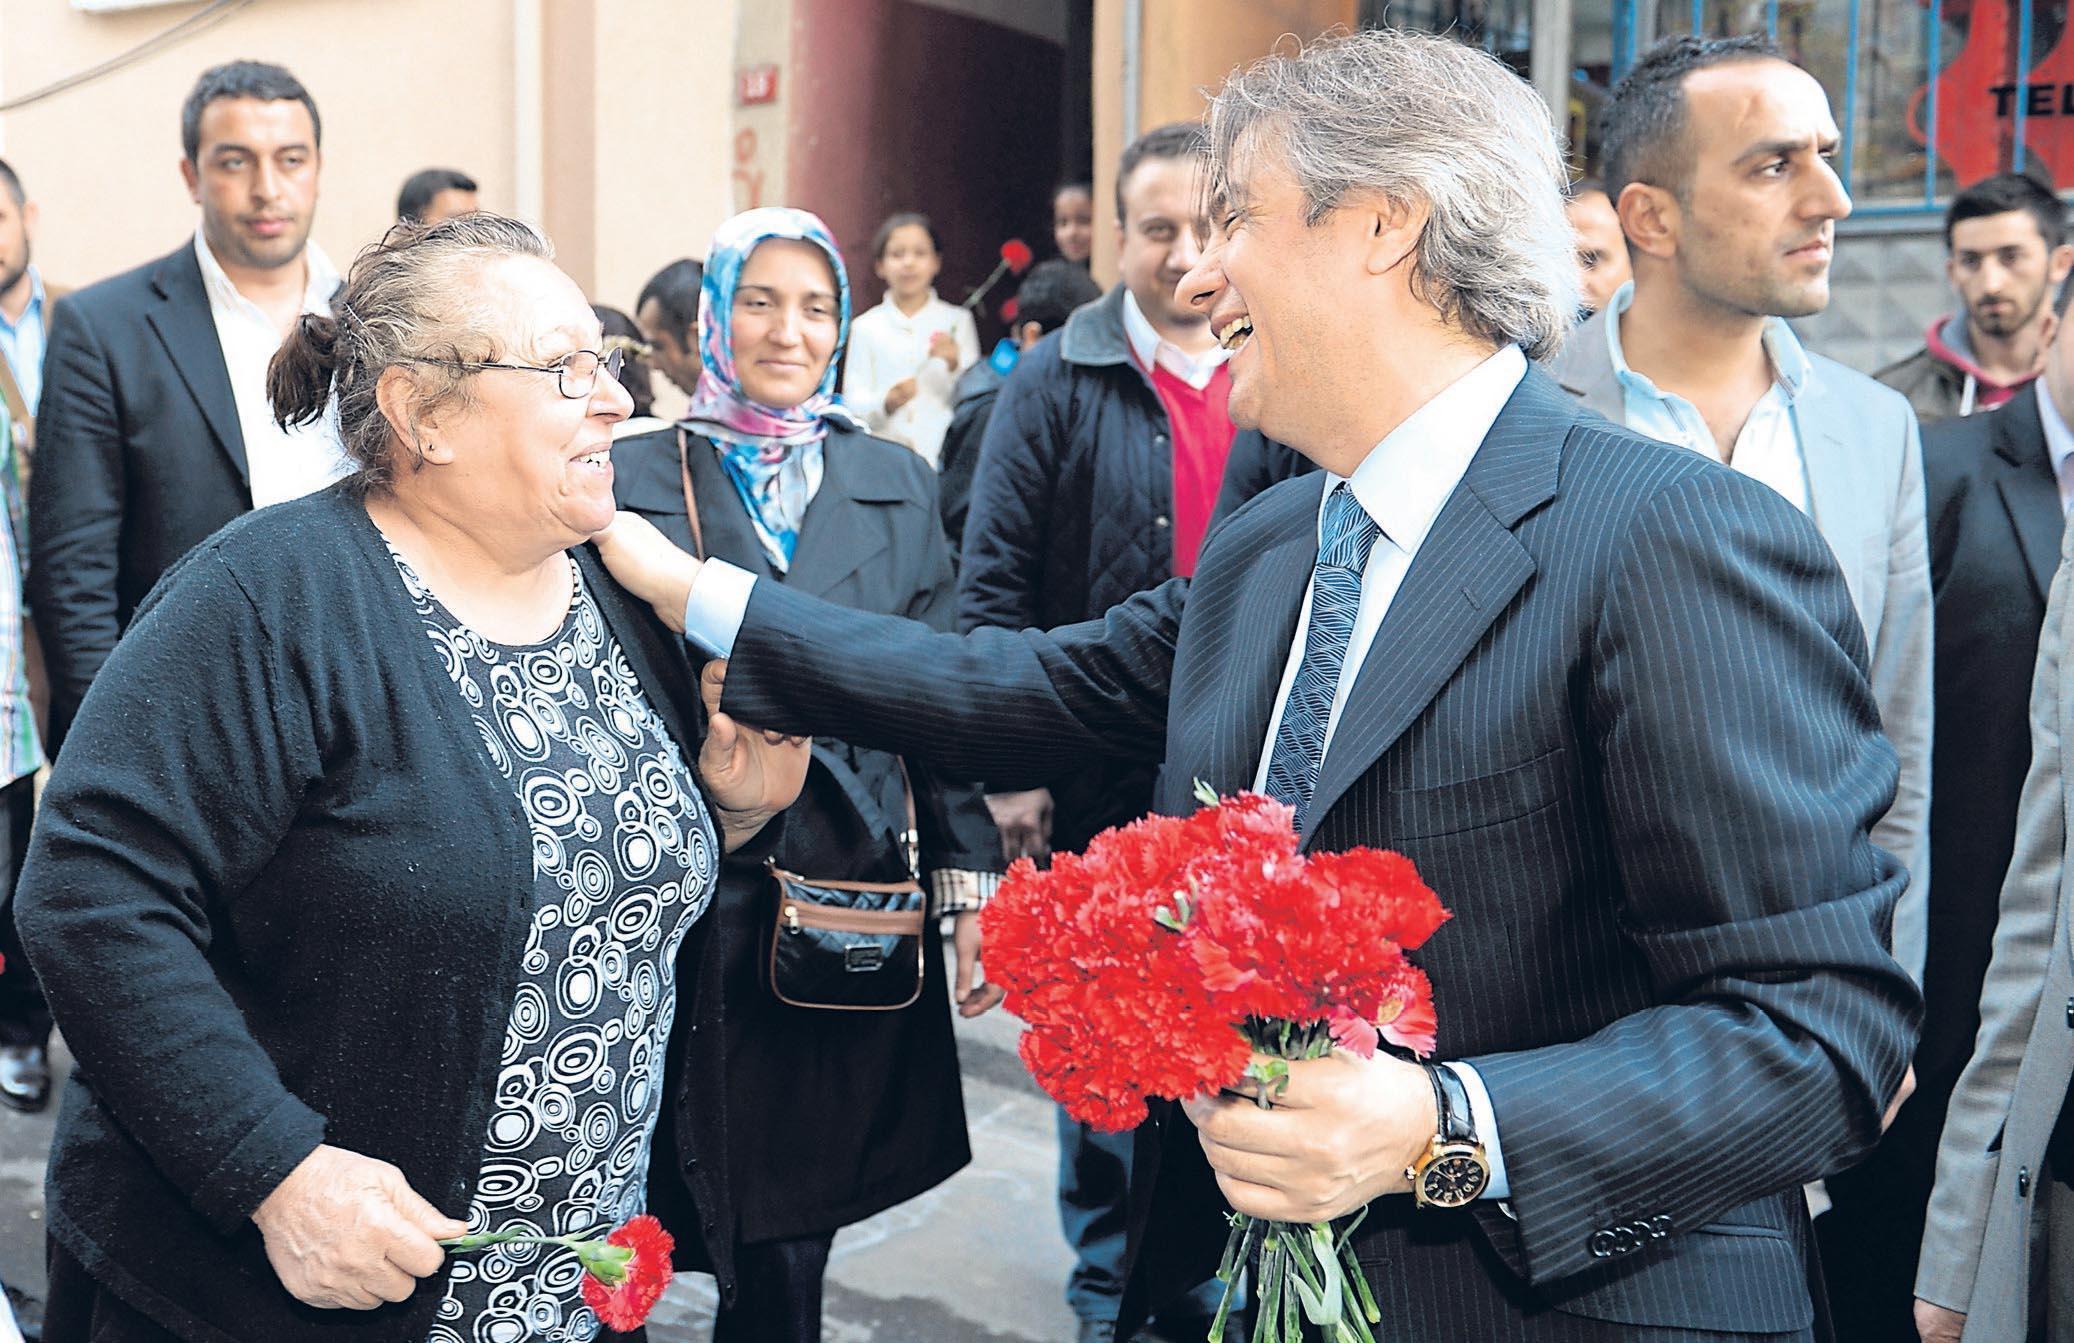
<point>576,373</point>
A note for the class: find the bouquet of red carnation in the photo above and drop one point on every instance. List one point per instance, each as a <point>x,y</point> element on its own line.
<point>1176,949</point>
<point>624,1272</point>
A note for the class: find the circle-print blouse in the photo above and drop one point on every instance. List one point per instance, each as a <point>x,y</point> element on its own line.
<point>624,860</point>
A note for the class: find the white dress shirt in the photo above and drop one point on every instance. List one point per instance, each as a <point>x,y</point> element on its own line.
<point>2059,442</point>
<point>887,345</point>
<point>281,464</point>
<point>1154,350</point>
<point>1402,483</point>
<point>1768,446</point>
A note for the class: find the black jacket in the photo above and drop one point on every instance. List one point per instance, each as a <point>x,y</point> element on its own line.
<point>277,895</point>
<point>1681,1012</point>
<point>972,407</point>
<point>138,457</point>
<point>1072,512</point>
<point>1995,522</point>
<point>870,540</point>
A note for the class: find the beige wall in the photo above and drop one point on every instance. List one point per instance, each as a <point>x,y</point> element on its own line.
<point>631,165</point>
<point>1186,48</point>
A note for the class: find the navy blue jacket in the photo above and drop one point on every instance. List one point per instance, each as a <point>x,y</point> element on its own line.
<point>1618,715</point>
<point>1072,512</point>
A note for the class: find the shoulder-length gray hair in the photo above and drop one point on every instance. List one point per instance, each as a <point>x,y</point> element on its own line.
<point>1419,118</point>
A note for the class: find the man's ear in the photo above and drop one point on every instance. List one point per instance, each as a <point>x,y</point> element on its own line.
<point>1393,229</point>
<point>193,177</point>
<point>1650,218</point>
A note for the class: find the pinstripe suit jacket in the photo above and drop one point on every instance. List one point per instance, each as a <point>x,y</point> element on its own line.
<point>1864,460</point>
<point>1618,715</point>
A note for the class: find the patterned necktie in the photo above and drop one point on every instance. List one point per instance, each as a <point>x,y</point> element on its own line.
<point>1346,535</point>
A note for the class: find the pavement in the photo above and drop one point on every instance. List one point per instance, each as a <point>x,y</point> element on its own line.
<point>978,1259</point>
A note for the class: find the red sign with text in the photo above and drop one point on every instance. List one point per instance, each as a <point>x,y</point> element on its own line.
<point>756,84</point>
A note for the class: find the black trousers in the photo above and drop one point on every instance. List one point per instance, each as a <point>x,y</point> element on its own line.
<point>777,1292</point>
<point>24,1016</point>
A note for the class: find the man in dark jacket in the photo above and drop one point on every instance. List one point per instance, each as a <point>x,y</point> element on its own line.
<point>1096,480</point>
<point>2005,240</point>
<point>1047,297</point>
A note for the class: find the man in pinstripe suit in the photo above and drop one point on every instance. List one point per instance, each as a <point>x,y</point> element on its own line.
<point>1610,697</point>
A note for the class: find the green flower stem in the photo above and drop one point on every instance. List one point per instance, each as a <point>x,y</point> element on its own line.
<point>484,1239</point>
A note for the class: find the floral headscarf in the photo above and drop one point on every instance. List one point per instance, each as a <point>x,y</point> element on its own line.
<point>765,450</point>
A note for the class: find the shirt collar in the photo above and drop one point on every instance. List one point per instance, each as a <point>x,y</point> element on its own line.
<point>1788,359</point>
<point>1407,478</point>
<point>1154,350</point>
<point>36,300</point>
<point>2059,439</point>
<point>928,308</point>
<point>323,279</point>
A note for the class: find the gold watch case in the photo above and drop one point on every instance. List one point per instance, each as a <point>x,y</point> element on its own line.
<point>1449,1174</point>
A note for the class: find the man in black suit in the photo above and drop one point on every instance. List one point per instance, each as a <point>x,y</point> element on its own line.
<point>155,428</point>
<point>1996,486</point>
<point>1609,696</point>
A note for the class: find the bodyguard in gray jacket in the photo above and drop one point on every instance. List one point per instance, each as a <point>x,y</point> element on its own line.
<point>2009,1138</point>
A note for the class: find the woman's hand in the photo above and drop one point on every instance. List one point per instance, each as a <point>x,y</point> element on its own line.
<point>346,1231</point>
<point>943,345</point>
<point>753,775</point>
<point>975,996</point>
<point>899,394</point>
<point>649,565</point>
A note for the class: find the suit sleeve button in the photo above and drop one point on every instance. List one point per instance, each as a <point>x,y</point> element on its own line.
<point>1604,1244</point>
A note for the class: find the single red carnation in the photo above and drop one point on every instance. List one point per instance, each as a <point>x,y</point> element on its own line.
<point>1015,254</point>
<point>642,1269</point>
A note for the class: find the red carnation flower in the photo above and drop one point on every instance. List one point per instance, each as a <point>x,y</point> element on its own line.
<point>1015,254</point>
<point>624,1275</point>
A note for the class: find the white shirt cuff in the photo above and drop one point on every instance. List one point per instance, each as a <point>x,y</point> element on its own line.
<point>1486,1122</point>
<point>719,601</point>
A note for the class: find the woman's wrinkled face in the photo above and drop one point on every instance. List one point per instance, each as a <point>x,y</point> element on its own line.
<point>784,323</point>
<point>523,458</point>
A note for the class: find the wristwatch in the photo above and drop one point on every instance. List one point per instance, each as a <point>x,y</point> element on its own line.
<point>1453,1171</point>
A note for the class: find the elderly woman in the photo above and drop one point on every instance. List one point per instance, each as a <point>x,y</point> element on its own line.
<point>361,886</point>
<point>833,1115</point>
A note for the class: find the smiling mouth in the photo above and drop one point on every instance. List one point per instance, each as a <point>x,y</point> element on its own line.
<point>601,460</point>
<point>1235,333</point>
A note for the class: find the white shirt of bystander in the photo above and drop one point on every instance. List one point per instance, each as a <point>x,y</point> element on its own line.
<point>887,346</point>
<point>280,464</point>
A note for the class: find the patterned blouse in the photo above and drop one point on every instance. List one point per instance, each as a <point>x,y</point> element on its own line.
<point>624,860</point>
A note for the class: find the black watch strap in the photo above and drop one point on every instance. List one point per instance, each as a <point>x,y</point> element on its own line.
<point>1451,1099</point>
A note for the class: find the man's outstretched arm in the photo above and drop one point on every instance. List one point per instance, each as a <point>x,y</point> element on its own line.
<point>1008,707</point>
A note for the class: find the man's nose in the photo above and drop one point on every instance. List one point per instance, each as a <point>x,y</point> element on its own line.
<point>1828,197</point>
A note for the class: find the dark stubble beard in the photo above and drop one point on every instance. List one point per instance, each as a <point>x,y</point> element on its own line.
<point>2010,320</point>
<point>230,247</point>
<point>12,275</point>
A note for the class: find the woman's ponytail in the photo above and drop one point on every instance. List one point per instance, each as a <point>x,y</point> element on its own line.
<point>298,381</point>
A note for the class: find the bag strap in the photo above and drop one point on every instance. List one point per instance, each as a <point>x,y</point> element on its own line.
<point>910,837</point>
<point>691,498</point>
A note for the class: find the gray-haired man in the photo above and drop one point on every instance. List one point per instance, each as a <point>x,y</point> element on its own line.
<point>1608,695</point>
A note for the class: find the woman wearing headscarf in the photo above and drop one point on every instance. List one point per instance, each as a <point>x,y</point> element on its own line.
<point>379,857</point>
<point>832,1115</point>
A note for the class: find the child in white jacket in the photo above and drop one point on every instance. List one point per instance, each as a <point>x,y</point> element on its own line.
<point>905,355</point>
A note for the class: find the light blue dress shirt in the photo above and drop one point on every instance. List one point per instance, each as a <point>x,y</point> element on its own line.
<point>21,343</point>
<point>1768,447</point>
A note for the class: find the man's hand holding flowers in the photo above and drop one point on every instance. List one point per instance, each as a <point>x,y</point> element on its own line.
<point>1339,1135</point>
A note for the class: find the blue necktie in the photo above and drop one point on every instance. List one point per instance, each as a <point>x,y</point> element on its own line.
<point>1346,535</point>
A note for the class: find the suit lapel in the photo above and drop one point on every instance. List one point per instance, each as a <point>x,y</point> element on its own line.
<point>2030,494</point>
<point>1265,621</point>
<point>1466,571</point>
<point>841,532</point>
<point>188,331</point>
<point>1837,498</point>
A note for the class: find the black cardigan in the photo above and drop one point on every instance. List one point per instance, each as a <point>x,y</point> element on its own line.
<point>277,895</point>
